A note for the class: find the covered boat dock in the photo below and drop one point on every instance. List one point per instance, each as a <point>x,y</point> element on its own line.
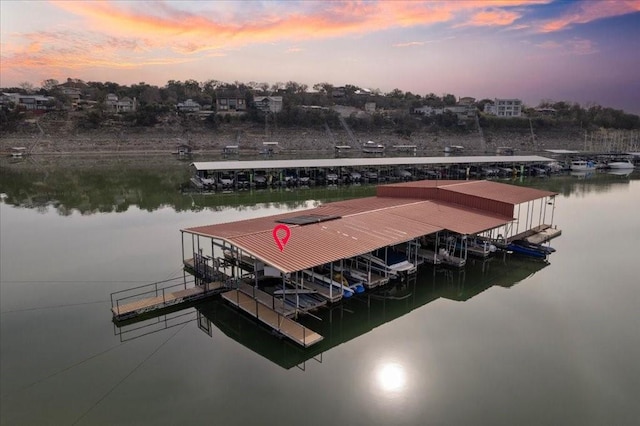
<point>239,173</point>
<point>400,215</point>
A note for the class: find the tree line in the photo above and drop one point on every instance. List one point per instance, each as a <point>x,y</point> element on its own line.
<point>393,109</point>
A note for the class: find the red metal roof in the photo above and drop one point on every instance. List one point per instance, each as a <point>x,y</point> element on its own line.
<point>320,243</point>
<point>338,208</point>
<point>365,225</point>
<point>496,191</point>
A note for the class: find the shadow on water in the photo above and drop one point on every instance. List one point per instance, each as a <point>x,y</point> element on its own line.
<point>349,319</point>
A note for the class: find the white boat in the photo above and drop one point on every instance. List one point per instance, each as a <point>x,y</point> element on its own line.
<point>583,166</point>
<point>453,149</point>
<point>620,165</point>
<point>18,151</point>
<point>370,147</point>
<point>328,282</point>
<point>394,266</point>
<point>620,172</point>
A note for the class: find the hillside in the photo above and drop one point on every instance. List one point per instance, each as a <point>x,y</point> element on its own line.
<point>58,133</point>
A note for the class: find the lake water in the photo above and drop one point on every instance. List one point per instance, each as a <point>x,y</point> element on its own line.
<point>504,342</point>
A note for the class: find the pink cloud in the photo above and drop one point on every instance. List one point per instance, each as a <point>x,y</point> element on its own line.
<point>574,46</point>
<point>493,18</point>
<point>409,44</point>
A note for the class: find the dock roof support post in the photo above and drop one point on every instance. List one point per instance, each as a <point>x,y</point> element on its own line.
<point>283,293</point>
<point>181,244</point>
<point>541,209</point>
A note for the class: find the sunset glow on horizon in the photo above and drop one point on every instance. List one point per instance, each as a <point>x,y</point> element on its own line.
<point>578,51</point>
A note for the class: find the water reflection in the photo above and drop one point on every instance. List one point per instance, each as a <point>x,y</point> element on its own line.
<point>91,185</point>
<point>111,186</point>
<point>391,377</point>
<point>347,320</point>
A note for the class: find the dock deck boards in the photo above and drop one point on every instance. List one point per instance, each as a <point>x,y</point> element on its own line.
<point>288,327</point>
<point>375,280</point>
<point>537,235</point>
<point>544,235</point>
<point>438,259</point>
<point>164,300</point>
<point>266,299</point>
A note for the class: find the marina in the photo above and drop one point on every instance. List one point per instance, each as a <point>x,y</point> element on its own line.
<point>222,175</point>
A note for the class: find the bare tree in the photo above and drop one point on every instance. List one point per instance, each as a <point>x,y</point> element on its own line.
<point>26,86</point>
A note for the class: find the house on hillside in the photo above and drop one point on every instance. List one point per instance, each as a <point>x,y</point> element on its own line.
<point>114,104</point>
<point>427,110</point>
<point>268,103</point>
<point>9,100</point>
<point>72,95</point>
<point>35,103</point>
<point>464,112</point>
<point>230,101</point>
<point>504,108</point>
<point>189,106</point>
<point>467,100</point>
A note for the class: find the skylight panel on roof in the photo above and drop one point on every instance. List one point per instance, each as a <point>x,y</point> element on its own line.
<point>307,219</point>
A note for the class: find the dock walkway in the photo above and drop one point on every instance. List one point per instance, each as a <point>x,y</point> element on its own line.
<point>286,326</point>
<point>273,303</point>
<point>537,235</point>
<point>438,259</point>
<point>166,299</point>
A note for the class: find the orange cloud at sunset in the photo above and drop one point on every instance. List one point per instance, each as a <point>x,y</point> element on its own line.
<point>108,33</point>
<point>493,17</point>
<point>331,20</point>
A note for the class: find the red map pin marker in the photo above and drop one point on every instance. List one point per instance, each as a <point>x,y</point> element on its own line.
<point>281,242</point>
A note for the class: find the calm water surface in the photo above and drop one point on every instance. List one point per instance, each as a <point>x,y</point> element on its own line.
<point>505,342</point>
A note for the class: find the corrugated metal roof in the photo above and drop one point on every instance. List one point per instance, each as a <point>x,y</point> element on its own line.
<point>453,217</point>
<point>490,190</point>
<point>502,192</point>
<point>320,243</point>
<point>365,225</point>
<point>266,224</point>
<point>364,162</point>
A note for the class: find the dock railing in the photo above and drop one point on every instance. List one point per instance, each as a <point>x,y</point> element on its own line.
<point>146,290</point>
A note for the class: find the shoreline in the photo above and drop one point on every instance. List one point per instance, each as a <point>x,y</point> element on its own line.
<point>299,141</point>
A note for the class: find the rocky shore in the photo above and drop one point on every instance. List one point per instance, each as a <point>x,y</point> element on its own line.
<point>59,140</point>
<point>289,140</point>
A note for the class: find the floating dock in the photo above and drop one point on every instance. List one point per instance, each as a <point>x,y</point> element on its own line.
<point>409,213</point>
<point>148,300</point>
<point>278,322</point>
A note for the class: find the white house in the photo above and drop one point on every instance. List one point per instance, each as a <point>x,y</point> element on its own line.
<point>125,104</point>
<point>504,108</point>
<point>188,106</point>
<point>268,103</point>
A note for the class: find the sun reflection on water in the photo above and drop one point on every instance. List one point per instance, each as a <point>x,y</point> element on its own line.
<point>391,377</point>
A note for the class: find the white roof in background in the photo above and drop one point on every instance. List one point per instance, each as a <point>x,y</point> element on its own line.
<point>562,151</point>
<point>351,162</point>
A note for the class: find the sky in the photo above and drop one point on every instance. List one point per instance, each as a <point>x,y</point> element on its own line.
<point>535,50</point>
